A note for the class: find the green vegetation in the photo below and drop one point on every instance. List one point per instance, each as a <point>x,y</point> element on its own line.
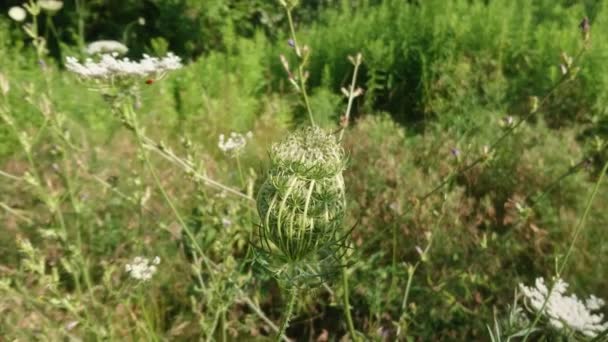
<point>476,150</point>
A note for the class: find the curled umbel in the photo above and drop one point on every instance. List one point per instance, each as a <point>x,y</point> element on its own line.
<point>301,203</point>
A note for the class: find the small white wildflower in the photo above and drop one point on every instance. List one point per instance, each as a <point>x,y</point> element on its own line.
<point>565,311</point>
<point>142,268</point>
<point>106,46</point>
<point>234,143</point>
<point>51,6</point>
<point>226,222</point>
<point>17,13</point>
<point>111,67</point>
<point>141,21</point>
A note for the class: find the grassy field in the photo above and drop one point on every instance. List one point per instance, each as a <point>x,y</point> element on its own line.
<point>459,155</point>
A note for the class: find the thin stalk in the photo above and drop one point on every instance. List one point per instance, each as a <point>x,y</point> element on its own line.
<point>80,12</point>
<point>300,67</point>
<point>170,156</point>
<point>287,315</point>
<point>15,212</point>
<point>410,276</point>
<point>253,306</point>
<point>346,303</point>
<point>577,231</point>
<point>581,222</point>
<point>238,165</point>
<point>351,96</point>
<point>223,326</point>
<point>394,260</point>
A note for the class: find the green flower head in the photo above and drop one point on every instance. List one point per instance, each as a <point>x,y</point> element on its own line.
<point>301,203</point>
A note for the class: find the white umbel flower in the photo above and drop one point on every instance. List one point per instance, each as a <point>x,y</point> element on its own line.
<point>234,143</point>
<point>109,66</point>
<point>106,46</point>
<point>51,6</point>
<point>142,268</point>
<point>17,13</point>
<point>566,311</point>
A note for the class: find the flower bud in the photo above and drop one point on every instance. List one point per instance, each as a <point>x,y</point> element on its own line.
<point>301,203</point>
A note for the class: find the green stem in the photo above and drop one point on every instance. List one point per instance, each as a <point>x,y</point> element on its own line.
<point>394,260</point>
<point>410,276</point>
<point>287,315</point>
<point>170,156</point>
<point>300,67</point>
<point>80,12</point>
<point>351,96</point>
<point>238,165</point>
<point>346,303</point>
<point>223,326</point>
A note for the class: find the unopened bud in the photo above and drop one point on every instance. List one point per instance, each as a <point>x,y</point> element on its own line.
<point>344,92</point>
<point>285,63</point>
<point>533,104</point>
<point>358,92</point>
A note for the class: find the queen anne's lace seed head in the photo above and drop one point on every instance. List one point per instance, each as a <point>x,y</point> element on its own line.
<point>311,153</point>
<point>109,66</point>
<point>142,268</point>
<point>565,311</point>
<point>301,204</point>
<point>106,46</point>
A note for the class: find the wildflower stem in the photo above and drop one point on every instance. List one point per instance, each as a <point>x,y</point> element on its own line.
<point>238,165</point>
<point>253,306</point>
<point>170,156</point>
<point>581,222</point>
<point>301,78</point>
<point>345,298</point>
<point>81,13</point>
<point>288,312</point>
<point>411,270</point>
<point>351,96</point>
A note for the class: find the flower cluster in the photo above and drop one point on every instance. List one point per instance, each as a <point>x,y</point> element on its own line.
<point>565,311</point>
<point>17,13</point>
<point>142,268</point>
<point>109,66</point>
<point>51,6</point>
<point>234,143</point>
<point>106,46</point>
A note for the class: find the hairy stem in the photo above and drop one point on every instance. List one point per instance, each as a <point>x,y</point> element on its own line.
<point>346,303</point>
<point>287,314</point>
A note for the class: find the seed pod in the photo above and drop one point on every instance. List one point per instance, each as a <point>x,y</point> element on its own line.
<point>301,203</point>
